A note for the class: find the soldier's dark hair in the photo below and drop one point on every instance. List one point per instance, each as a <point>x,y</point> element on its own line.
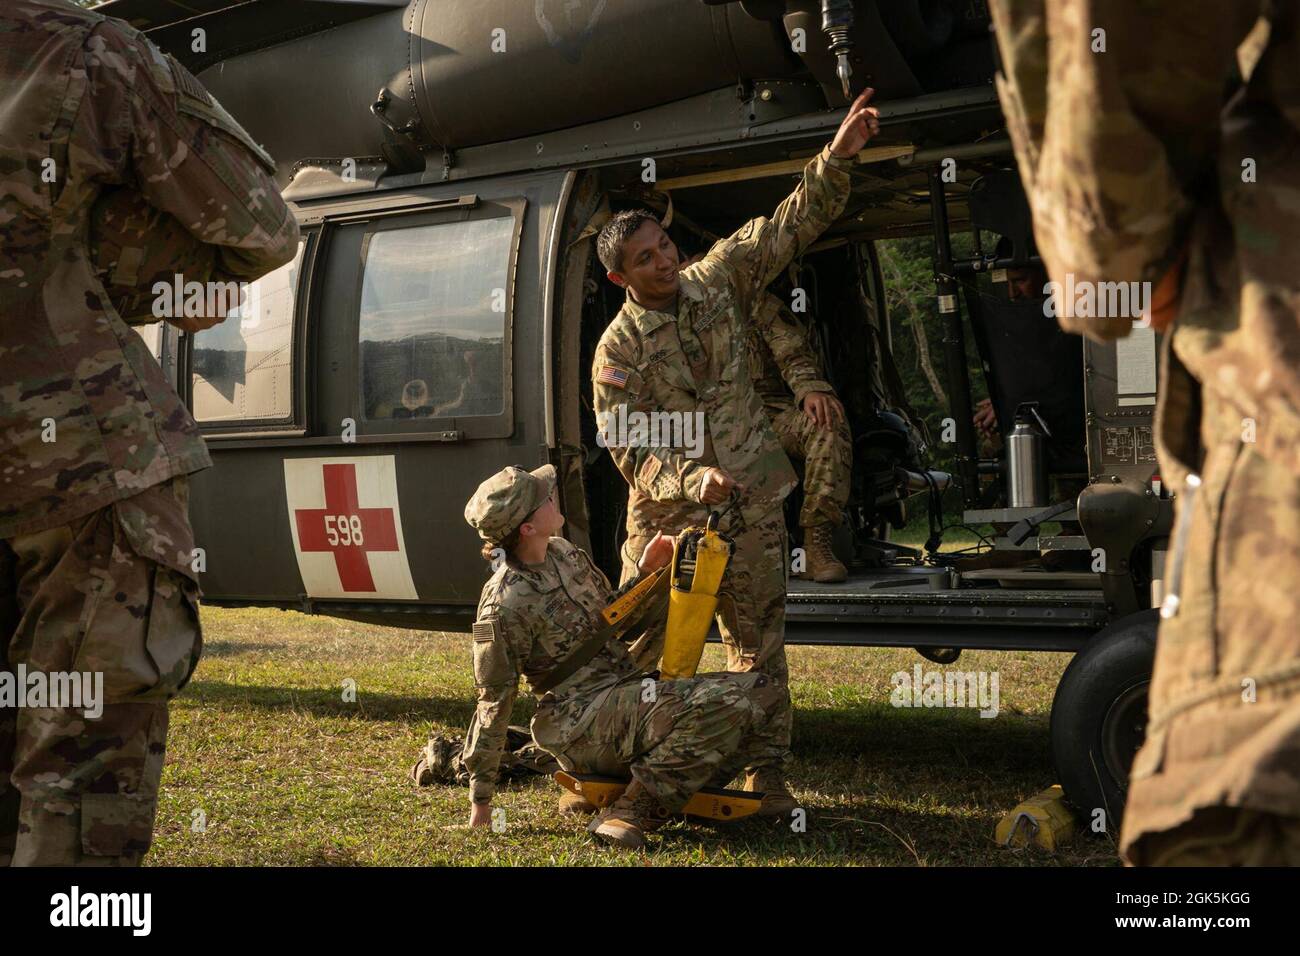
<point>621,225</point>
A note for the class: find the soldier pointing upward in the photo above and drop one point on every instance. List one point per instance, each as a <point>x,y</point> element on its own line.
<point>678,345</point>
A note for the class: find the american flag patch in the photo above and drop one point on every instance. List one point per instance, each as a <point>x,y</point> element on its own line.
<point>612,375</point>
<point>485,630</point>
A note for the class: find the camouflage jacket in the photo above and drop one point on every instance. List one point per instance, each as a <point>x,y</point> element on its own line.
<point>1142,160</point>
<point>698,361</point>
<point>87,105</point>
<point>781,357</point>
<point>529,618</point>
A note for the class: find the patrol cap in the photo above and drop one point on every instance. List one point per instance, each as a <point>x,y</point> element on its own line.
<point>504,501</point>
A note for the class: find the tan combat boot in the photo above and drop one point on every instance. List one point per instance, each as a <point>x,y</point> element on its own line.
<point>420,774</point>
<point>627,820</point>
<point>576,804</point>
<point>823,566</point>
<point>777,800</point>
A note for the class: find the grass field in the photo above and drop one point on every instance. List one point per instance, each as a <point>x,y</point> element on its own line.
<point>284,771</point>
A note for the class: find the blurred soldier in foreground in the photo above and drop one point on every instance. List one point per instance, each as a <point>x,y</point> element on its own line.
<point>1171,155</point>
<point>602,715</point>
<point>95,540</point>
<point>677,346</point>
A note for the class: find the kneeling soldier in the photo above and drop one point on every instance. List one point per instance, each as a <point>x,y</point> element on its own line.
<point>606,716</point>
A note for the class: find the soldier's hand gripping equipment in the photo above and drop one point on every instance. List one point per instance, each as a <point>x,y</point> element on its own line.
<point>710,803</point>
<point>700,557</point>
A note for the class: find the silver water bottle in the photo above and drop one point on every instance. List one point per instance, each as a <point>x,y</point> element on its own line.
<point>1026,459</point>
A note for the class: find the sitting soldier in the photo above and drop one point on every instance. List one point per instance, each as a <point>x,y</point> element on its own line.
<point>602,714</point>
<point>1024,284</point>
<point>810,423</point>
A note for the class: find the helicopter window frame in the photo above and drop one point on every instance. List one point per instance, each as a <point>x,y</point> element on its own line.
<point>294,424</point>
<point>449,428</point>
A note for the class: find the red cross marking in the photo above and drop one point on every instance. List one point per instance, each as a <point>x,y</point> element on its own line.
<point>346,529</point>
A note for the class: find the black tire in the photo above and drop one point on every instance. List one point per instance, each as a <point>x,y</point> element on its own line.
<point>1099,716</point>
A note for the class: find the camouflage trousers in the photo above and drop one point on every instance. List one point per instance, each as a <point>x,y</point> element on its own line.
<point>827,457</point>
<point>76,790</point>
<point>750,619</point>
<point>677,736</point>
<point>1218,779</point>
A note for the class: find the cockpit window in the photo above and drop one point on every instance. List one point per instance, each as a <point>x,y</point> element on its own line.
<point>433,320</point>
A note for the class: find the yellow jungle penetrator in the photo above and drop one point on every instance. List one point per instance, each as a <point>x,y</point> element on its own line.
<point>709,803</point>
<point>700,557</point>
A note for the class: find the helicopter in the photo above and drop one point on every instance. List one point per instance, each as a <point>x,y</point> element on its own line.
<point>450,164</point>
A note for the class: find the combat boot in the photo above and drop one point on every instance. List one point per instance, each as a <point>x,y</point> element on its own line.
<point>627,820</point>
<point>420,774</point>
<point>823,566</point>
<point>777,800</point>
<point>576,804</point>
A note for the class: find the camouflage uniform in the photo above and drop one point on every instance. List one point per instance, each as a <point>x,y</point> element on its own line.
<point>826,453</point>
<point>608,717</point>
<point>697,360</point>
<point>95,542</point>
<point>1134,161</point>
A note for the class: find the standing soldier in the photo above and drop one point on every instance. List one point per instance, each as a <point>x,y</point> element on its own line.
<point>95,541</point>
<point>678,346</point>
<point>1165,148</point>
<point>809,421</point>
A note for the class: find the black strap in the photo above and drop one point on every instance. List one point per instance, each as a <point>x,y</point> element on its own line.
<point>602,634</point>
<point>1021,530</point>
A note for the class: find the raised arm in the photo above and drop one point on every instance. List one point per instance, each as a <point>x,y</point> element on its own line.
<point>762,247</point>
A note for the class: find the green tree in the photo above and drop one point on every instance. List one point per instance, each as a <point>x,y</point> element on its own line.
<point>918,337</point>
